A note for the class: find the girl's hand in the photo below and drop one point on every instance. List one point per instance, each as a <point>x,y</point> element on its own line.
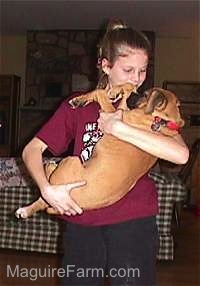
<point>107,121</point>
<point>58,197</point>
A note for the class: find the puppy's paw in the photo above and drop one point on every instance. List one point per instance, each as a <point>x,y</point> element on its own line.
<point>115,93</point>
<point>78,102</point>
<point>120,91</point>
<point>114,97</point>
<point>22,213</point>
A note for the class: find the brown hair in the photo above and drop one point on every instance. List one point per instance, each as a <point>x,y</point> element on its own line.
<point>116,41</point>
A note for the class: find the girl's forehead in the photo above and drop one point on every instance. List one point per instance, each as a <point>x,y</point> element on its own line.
<point>136,57</point>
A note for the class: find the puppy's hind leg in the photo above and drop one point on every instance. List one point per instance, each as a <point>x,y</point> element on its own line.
<point>29,210</point>
<point>52,211</point>
<point>50,168</point>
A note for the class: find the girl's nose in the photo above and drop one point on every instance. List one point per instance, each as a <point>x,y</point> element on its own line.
<point>135,78</point>
<point>136,75</point>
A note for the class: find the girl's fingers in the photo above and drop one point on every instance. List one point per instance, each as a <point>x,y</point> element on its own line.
<point>75,185</point>
<point>67,213</point>
<point>75,207</point>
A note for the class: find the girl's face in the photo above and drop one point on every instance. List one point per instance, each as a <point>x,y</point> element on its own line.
<point>131,68</point>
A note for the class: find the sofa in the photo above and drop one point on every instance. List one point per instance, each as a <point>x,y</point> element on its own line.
<point>43,233</point>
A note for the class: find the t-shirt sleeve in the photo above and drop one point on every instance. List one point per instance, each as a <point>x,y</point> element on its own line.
<point>59,130</point>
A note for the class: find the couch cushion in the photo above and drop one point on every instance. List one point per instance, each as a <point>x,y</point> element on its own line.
<point>39,233</point>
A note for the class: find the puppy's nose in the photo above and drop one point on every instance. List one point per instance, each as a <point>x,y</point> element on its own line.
<point>132,100</point>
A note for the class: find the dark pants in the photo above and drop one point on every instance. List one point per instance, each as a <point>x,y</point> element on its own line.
<point>124,252</point>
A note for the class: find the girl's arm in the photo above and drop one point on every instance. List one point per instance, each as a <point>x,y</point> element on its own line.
<point>58,196</point>
<point>165,147</point>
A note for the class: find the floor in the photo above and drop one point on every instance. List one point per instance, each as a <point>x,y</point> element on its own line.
<point>183,271</point>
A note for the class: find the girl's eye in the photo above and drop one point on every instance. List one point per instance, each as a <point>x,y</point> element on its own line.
<point>128,70</point>
<point>132,70</point>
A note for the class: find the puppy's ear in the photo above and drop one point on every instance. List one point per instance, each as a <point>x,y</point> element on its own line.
<point>132,100</point>
<point>155,100</point>
<point>135,100</point>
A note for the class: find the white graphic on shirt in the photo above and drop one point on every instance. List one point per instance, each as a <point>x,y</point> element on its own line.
<point>90,138</point>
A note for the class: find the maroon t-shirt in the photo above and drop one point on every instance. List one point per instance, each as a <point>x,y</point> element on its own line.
<point>81,125</point>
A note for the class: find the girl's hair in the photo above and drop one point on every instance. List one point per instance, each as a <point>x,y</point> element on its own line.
<point>116,42</point>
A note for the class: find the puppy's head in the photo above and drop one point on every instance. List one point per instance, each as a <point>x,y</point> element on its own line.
<point>163,104</point>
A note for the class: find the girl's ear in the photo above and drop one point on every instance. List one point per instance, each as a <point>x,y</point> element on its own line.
<point>105,66</point>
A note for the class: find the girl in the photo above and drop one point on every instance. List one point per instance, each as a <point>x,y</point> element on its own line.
<point>119,241</point>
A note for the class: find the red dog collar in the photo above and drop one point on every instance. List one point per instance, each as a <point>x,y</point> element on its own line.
<point>159,122</point>
<point>173,125</point>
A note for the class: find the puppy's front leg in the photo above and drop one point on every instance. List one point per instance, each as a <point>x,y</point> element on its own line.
<point>83,100</point>
<point>98,95</point>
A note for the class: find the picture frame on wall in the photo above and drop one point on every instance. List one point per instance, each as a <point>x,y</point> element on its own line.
<point>186,91</point>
